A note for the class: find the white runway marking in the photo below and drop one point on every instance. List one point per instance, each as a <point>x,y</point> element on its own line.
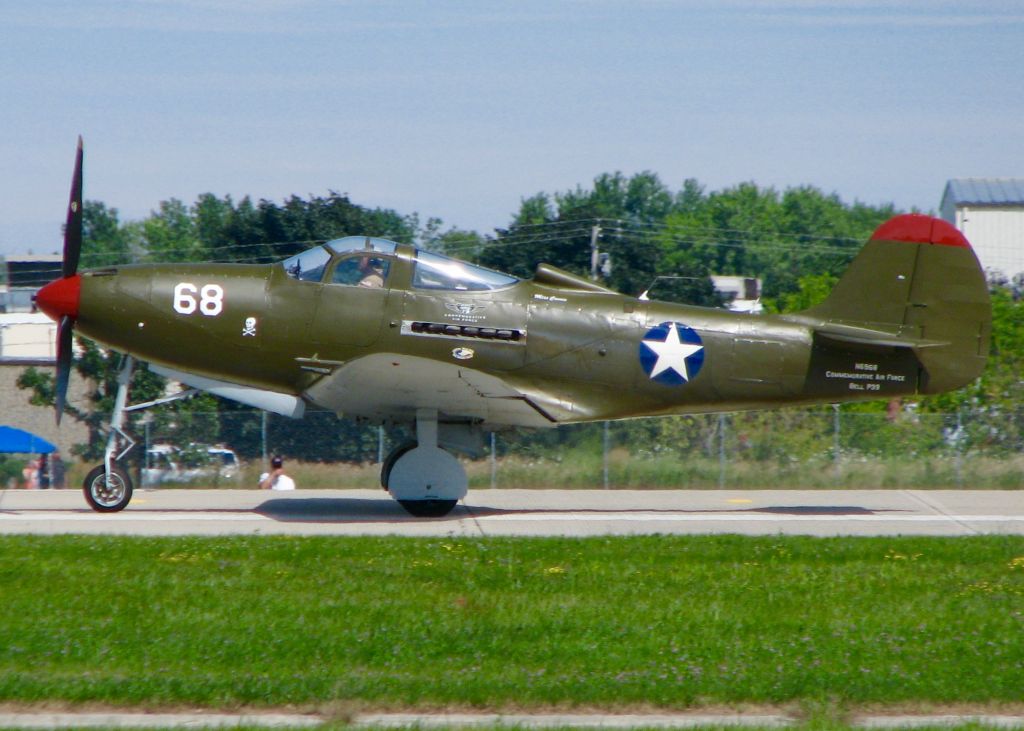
<point>756,518</point>
<point>143,516</point>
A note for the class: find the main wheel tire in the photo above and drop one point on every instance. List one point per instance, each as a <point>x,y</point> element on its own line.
<point>389,461</point>
<point>106,496</point>
<point>428,508</point>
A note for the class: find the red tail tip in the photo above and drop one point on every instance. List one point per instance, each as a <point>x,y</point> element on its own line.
<point>60,297</point>
<point>915,228</point>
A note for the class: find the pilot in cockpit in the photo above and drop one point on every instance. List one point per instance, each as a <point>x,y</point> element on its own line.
<point>372,271</point>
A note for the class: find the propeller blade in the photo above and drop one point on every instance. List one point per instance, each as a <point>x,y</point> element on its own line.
<point>65,330</point>
<point>73,227</point>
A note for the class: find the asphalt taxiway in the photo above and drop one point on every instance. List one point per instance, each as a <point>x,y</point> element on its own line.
<point>527,512</point>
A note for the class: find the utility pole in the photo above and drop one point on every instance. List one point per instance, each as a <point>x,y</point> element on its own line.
<point>605,446</point>
<point>595,255</point>
<point>835,440</point>
<point>494,461</point>
<point>263,436</point>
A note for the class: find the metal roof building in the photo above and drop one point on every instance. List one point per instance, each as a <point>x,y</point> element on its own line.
<point>990,213</point>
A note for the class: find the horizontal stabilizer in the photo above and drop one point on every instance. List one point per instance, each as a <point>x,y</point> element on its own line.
<point>852,335</point>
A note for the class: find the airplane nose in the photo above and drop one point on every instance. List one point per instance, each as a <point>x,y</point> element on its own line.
<point>60,298</point>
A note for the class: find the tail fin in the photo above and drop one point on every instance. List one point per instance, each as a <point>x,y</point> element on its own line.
<point>916,284</point>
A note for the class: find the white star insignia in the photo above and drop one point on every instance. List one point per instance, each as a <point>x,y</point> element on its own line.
<point>672,354</point>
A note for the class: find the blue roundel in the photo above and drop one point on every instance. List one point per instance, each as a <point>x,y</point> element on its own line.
<point>671,353</point>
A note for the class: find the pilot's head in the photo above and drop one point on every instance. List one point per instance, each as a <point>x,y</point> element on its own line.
<point>369,264</point>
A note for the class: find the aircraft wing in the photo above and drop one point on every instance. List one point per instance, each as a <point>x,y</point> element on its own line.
<point>273,401</point>
<point>390,386</point>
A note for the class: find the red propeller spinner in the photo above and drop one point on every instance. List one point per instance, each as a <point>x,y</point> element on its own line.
<point>60,298</point>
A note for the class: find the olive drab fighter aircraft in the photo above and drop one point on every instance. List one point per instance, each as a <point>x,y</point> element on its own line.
<point>384,332</point>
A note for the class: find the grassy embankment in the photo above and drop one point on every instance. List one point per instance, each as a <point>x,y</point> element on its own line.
<point>646,622</point>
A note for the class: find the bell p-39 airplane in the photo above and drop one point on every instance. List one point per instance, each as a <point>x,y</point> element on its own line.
<point>388,333</point>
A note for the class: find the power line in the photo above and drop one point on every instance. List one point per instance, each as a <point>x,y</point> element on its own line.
<point>648,234</point>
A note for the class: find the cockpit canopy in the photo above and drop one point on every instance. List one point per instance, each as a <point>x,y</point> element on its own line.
<point>310,265</point>
<point>430,270</point>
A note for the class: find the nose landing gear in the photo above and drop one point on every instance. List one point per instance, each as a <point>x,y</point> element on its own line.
<point>108,487</point>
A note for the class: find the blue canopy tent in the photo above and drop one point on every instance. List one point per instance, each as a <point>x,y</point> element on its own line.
<point>19,441</point>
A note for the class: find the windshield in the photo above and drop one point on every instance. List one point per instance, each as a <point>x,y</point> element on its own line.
<point>309,265</point>
<point>434,271</point>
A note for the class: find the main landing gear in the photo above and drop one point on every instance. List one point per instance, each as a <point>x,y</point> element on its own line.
<point>425,480</point>
<point>108,487</point>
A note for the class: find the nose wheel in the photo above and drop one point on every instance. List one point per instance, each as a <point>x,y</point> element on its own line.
<point>107,491</point>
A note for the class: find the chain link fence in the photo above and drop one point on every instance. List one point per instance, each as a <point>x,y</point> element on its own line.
<point>825,447</point>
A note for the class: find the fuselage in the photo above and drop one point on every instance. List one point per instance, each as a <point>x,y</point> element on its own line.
<point>579,352</point>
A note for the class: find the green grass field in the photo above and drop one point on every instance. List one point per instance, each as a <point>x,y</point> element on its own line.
<point>624,623</point>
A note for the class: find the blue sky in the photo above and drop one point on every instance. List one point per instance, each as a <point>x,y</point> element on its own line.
<point>460,109</point>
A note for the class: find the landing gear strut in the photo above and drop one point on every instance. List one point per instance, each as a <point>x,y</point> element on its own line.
<point>425,480</point>
<point>108,487</point>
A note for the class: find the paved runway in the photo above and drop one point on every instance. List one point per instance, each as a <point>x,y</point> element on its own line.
<point>527,512</point>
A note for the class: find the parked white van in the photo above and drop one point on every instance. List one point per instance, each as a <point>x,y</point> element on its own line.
<point>166,463</point>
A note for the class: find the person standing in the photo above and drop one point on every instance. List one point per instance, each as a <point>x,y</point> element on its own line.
<point>30,475</point>
<point>56,471</point>
<point>44,472</point>
<point>276,479</point>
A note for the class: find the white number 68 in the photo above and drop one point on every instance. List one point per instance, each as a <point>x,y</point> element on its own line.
<point>209,303</point>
